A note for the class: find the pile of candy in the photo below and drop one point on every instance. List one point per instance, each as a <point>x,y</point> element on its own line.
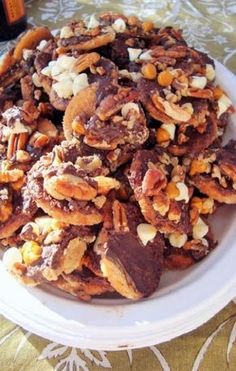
<point>111,156</point>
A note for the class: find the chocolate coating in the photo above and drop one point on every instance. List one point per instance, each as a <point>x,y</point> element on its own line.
<point>136,261</point>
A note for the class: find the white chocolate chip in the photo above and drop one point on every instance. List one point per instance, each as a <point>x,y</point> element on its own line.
<point>46,71</point>
<point>51,64</point>
<point>198,82</point>
<point>11,257</point>
<point>93,22</point>
<point>56,70</point>
<point>210,72</point>
<point>66,32</point>
<point>170,128</point>
<point>44,223</point>
<point>146,232</point>
<point>64,89</point>
<point>223,104</point>
<point>183,192</point>
<point>177,239</point>
<point>146,56</point>
<point>62,76</point>
<point>119,25</point>
<point>41,45</point>
<point>200,229</point>
<point>66,62</point>
<point>134,53</point>
<point>80,82</point>
<point>129,106</point>
<point>35,79</point>
<point>73,75</point>
<point>27,53</point>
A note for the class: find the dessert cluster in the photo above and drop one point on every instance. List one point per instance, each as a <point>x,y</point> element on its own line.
<point>111,156</point>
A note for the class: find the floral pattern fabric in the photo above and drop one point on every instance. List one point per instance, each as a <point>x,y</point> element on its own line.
<point>208,25</point>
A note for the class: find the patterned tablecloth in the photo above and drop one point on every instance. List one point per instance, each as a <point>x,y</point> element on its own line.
<point>209,25</point>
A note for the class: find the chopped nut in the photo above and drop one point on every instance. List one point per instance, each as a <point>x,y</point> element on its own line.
<point>11,257</point>
<point>128,107</point>
<point>30,232</point>
<point>9,176</point>
<point>146,232</point>
<point>207,206</point>
<point>178,240</point>
<point>18,184</point>
<point>38,140</point>
<point>99,201</point>
<point>106,184</point>
<point>5,211</point>
<point>134,76</point>
<point>120,221</point>
<point>188,107</point>
<point>68,186</point>
<point>198,167</point>
<point>161,203</point>
<point>196,202</point>
<point>200,229</point>
<point>153,181</point>
<point>22,156</point>
<point>78,127</point>
<point>173,110</point>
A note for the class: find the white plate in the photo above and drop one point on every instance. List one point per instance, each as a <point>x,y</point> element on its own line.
<point>184,301</point>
